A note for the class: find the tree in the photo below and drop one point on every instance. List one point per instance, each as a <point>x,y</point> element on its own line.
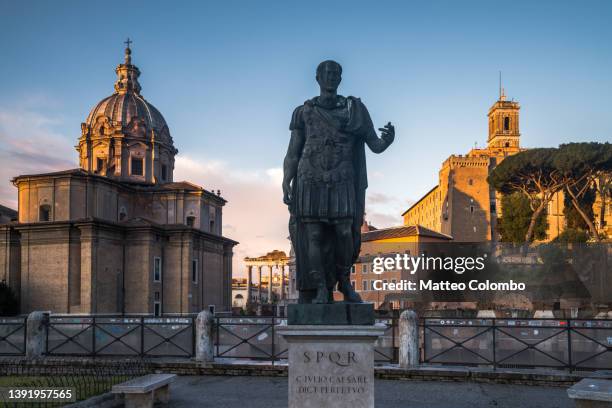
<point>515,218</point>
<point>571,236</point>
<point>603,186</point>
<point>573,219</point>
<point>9,304</point>
<point>532,173</point>
<point>584,167</point>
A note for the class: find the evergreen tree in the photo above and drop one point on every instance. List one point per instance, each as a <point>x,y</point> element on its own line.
<point>516,217</point>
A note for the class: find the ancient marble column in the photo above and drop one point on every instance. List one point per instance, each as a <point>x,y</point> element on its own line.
<point>249,284</point>
<point>282,276</point>
<point>259,286</point>
<point>270,267</point>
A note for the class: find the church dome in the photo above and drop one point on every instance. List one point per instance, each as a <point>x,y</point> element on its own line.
<point>124,108</point>
<point>124,136</point>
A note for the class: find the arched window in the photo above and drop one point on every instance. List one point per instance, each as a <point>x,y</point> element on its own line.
<point>44,213</point>
<point>101,130</point>
<point>507,144</point>
<point>507,123</point>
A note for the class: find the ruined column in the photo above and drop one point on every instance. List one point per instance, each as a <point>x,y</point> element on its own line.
<point>259,285</point>
<point>249,284</point>
<point>282,290</point>
<point>270,267</point>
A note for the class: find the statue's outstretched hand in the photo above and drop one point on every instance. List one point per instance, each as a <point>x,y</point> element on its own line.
<point>387,133</point>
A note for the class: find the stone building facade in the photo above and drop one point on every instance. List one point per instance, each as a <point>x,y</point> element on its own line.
<point>463,204</point>
<point>118,234</point>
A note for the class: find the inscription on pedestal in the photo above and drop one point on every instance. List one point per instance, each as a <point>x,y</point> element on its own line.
<point>331,375</point>
<point>331,366</point>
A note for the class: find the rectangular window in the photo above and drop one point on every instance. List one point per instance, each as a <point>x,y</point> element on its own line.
<point>99,164</point>
<point>364,268</point>
<point>157,308</point>
<point>157,269</point>
<point>364,285</point>
<point>194,270</point>
<point>394,281</point>
<point>164,171</point>
<point>137,168</point>
<point>372,285</point>
<point>353,269</point>
<point>157,296</point>
<point>353,284</point>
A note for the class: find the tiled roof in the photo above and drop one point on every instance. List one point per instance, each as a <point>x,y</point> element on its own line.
<point>402,231</point>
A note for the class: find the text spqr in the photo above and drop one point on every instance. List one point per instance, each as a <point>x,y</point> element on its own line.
<point>343,359</point>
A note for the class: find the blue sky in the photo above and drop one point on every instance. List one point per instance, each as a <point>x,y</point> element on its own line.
<point>227,75</point>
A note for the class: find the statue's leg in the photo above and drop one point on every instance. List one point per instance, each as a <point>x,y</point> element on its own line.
<point>344,261</point>
<point>314,235</point>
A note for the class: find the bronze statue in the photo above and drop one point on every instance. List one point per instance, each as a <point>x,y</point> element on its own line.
<point>324,186</point>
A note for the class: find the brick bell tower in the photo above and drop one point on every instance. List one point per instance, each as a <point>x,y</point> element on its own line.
<point>504,135</point>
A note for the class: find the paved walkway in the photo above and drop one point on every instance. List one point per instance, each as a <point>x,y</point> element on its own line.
<point>271,392</point>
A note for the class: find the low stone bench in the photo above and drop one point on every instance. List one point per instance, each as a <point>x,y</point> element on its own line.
<point>144,391</point>
<point>591,393</point>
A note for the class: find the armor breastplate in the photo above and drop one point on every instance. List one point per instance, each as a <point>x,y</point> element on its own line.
<point>327,153</point>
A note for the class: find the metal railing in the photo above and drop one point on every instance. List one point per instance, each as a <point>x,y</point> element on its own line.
<point>573,344</point>
<point>254,338</point>
<point>257,338</point>
<point>13,336</point>
<point>120,336</point>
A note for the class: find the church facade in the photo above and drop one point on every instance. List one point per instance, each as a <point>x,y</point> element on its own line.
<point>118,234</point>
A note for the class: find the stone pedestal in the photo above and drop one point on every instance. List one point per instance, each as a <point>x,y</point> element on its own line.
<point>331,366</point>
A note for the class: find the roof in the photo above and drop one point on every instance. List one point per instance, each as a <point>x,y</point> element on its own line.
<point>160,187</point>
<point>178,185</point>
<point>7,211</point>
<point>402,231</point>
<point>420,199</point>
<point>123,108</point>
<point>55,173</point>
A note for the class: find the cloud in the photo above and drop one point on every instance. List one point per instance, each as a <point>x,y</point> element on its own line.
<point>255,212</point>
<point>384,210</point>
<point>255,215</point>
<point>29,144</point>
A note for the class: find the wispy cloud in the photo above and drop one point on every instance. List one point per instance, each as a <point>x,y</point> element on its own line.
<point>384,210</point>
<point>29,144</point>
<point>255,214</point>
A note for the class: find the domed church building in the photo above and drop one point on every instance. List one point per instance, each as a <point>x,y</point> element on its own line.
<point>118,234</point>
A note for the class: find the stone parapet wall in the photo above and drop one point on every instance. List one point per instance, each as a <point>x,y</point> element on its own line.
<point>537,377</point>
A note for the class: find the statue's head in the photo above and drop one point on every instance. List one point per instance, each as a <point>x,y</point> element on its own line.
<point>329,75</point>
